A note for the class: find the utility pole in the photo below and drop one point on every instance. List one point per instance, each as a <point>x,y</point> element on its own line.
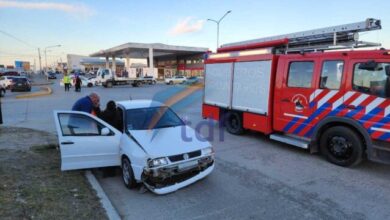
<point>40,60</point>
<point>45,53</point>
<point>217,22</point>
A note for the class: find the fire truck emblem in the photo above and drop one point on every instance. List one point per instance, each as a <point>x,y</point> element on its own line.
<point>300,102</point>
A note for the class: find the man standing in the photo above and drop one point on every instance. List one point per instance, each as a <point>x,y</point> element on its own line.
<point>78,84</point>
<point>66,81</point>
<point>89,104</point>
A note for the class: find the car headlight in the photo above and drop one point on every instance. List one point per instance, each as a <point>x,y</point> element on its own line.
<point>158,162</point>
<point>208,151</point>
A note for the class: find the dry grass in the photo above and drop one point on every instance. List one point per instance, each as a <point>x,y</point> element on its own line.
<point>33,187</point>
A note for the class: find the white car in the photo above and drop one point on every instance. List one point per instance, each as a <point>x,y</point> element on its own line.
<point>6,81</point>
<point>151,146</point>
<point>85,82</point>
<point>175,80</point>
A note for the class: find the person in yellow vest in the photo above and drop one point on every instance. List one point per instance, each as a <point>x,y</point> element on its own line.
<point>66,81</point>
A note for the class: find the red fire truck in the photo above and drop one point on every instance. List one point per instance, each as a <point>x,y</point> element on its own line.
<point>296,90</point>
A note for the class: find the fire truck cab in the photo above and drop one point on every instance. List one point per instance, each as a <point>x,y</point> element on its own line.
<point>294,89</point>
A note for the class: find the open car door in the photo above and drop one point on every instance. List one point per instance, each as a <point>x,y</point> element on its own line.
<point>86,141</point>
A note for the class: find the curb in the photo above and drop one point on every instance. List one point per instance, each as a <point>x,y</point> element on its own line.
<point>45,90</point>
<point>107,205</point>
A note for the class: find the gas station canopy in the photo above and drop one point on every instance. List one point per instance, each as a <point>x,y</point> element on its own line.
<point>142,50</point>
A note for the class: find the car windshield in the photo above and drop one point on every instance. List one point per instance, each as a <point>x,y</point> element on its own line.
<point>151,118</point>
<point>19,80</point>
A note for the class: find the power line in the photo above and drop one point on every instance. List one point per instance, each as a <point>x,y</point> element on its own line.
<point>17,39</point>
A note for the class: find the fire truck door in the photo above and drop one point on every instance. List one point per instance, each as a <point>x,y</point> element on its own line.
<point>295,113</point>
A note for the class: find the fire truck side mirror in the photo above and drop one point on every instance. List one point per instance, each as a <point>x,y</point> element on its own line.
<point>371,66</point>
<point>387,69</point>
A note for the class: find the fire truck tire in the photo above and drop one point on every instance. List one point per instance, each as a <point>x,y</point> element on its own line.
<point>233,123</point>
<point>342,146</point>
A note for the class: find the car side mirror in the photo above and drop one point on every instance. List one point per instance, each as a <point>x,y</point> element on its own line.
<point>105,131</point>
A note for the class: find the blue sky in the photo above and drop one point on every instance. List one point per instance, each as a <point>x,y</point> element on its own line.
<point>84,27</point>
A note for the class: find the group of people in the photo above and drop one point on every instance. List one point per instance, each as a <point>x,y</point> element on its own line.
<point>67,82</point>
<point>91,104</point>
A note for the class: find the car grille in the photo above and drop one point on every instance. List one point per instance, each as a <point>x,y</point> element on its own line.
<point>180,157</point>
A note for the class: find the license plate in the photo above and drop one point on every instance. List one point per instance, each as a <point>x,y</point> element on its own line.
<point>186,165</point>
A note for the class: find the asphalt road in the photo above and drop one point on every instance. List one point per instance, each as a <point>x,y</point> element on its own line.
<point>254,178</point>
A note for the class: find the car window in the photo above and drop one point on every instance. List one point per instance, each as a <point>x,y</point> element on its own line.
<point>373,82</point>
<point>19,80</point>
<point>300,74</point>
<point>79,125</point>
<point>331,74</point>
<point>151,118</point>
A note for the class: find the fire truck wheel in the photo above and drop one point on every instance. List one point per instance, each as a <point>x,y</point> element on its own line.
<point>342,146</point>
<point>233,123</point>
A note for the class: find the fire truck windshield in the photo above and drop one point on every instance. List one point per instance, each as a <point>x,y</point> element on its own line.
<point>373,81</point>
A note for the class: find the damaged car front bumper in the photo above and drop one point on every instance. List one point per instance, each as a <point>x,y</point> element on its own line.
<point>172,177</point>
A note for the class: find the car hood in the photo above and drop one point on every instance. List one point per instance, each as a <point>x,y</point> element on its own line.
<point>169,141</point>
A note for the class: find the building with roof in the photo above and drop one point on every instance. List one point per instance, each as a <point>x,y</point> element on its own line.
<point>85,63</point>
<point>162,60</point>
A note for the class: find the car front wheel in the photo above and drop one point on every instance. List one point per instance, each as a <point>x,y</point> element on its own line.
<point>127,174</point>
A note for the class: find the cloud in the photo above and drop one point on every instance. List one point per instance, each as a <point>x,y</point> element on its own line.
<point>187,25</point>
<point>78,10</point>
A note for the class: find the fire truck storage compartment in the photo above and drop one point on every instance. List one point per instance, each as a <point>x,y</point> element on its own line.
<point>251,86</point>
<point>249,91</point>
<point>218,84</point>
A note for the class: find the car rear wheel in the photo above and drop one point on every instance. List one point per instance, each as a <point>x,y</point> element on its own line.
<point>170,82</point>
<point>233,123</point>
<point>90,85</point>
<point>342,146</point>
<point>127,174</point>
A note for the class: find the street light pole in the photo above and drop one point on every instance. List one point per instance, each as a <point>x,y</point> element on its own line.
<point>40,60</point>
<point>217,22</point>
<point>45,53</point>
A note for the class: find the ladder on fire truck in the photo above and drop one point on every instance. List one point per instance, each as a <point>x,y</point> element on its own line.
<point>331,38</point>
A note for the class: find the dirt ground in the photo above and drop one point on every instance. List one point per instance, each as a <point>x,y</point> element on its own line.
<point>32,185</point>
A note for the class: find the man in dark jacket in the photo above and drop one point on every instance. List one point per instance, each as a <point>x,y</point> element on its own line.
<point>78,84</point>
<point>111,115</point>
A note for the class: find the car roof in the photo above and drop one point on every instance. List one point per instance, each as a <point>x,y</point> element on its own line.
<point>139,103</point>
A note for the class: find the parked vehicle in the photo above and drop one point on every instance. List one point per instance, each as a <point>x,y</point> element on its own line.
<point>51,75</point>
<point>78,72</point>
<point>6,81</point>
<point>149,147</point>
<point>336,103</point>
<point>9,73</point>
<point>149,80</point>
<point>2,91</point>
<point>192,80</point>
<point>175,80</point>
<point>85,82</point>
<point>21,84</point>
<point>107,78</point>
